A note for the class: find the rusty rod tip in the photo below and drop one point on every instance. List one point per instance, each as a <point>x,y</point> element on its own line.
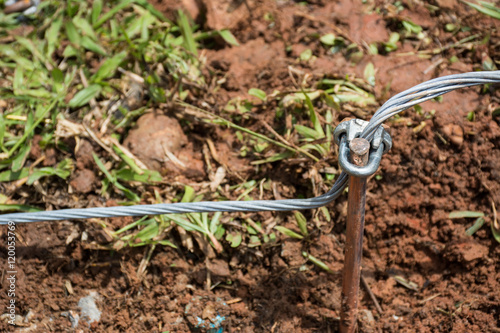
<point>359,146</point>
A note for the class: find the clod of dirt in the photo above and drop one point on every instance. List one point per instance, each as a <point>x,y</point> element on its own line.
<point>226,14</point>
<point>219,268</point>
<point>170,8</point>
<point>191,164</point>
<point>446,4</point>
<point>83,182</point>
<point>153,137</point>
<point>208,312</point>
<point>50,157</point>
<point>290,251</point>
<point>248,61</point>
<point>36,152</point>
<point>368,28</point>
<point>455,133</point>
<point>84,159</point>
<point>465,251</point>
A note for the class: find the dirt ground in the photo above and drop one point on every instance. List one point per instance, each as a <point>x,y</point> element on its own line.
<point>440,162</point>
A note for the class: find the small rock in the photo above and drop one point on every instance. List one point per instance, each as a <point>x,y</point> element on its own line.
<point>366,320</point>
<point>455,133</point>
<point>16,319</point>
<point>89,311</point>
<point>83,182</point>
<point>72,317</point>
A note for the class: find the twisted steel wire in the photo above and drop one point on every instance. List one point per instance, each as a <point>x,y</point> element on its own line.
<point>400,102</point>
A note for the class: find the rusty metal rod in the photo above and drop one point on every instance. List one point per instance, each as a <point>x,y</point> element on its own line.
<point>19,6</point>
<point>359,153</point>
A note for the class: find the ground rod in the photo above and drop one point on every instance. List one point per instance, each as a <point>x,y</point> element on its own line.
<point>359,153</point>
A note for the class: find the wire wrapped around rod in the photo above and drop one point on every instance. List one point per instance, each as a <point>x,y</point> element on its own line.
<point>400,102</point>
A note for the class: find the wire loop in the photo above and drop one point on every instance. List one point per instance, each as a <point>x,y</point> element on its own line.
<point>357,171</point>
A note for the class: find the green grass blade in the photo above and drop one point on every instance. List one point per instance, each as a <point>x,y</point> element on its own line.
<point>308,133</point>
<point>301,222</point>
<point>495,232</point>
<point>260,94</point>
<point>18,208</point>
<point>149,232</point>
<point>30,130</point>
<point>465,214</point>
<point>214,222</point>
<point>101,166</point>
<point>84,96</point>
<point>85,27</point>
<point>9,175</point>
<point>489,9</point>
<point>2,132</point>
<point>168,243</point>
<point>131,225</point>
<point>112,12</point>
<point>185,224</point>
<point>475,227</point>
<point>273,158</point>
<point>109,67</point>
<point>187,33</point>
<point>147,176</point>
<point>228,37</point>
<point>317,262</point>
<point>72,34</point>
<point>288,232</point>
<point>313,116</point>
<point>91,45</point>
<point>18,162</point>
<point>189,194</point>
<point>39,173</point>
<point>149,7</point>
<point>96,11</point>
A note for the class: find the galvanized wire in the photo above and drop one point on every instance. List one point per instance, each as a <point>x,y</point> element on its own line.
<point>424,92</point>
<point>183,207</point>
<point>413,96</point>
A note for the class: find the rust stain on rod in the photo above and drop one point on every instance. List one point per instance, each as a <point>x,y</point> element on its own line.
<point>19,6</point>
<point>359,149</point>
